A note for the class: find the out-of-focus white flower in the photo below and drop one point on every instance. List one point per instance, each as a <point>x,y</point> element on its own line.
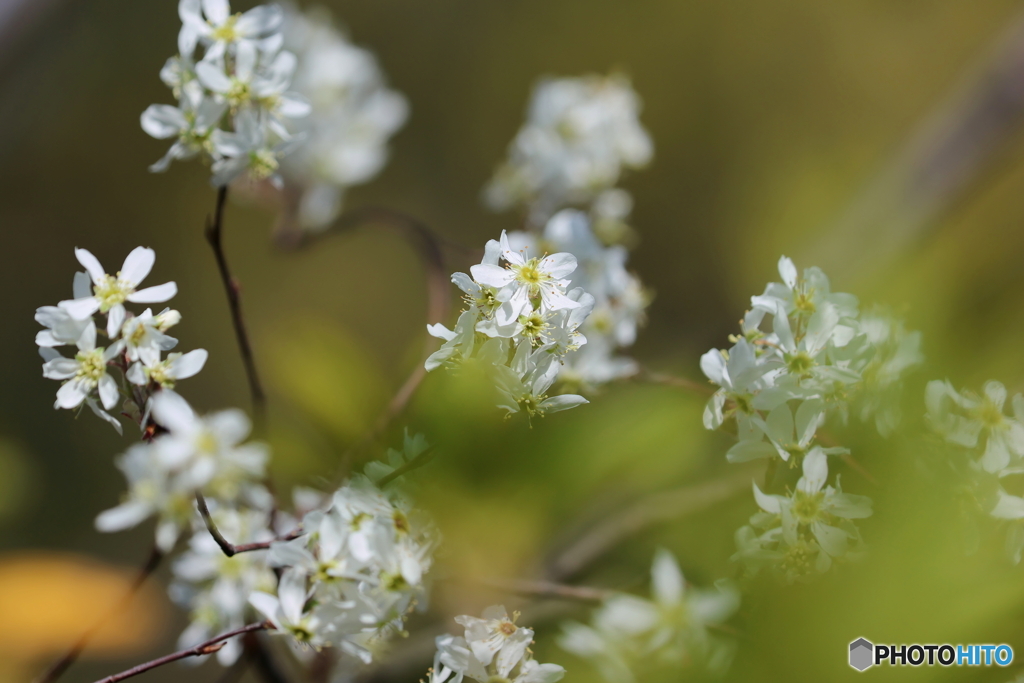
<point>805,530</point>
<point>967,419</point>
<point>110,292</point>
<point>212,23</point>
<point>353,116</point>
<point>215,588</point>
<point>579,135</point>
<point>630,636</point>
<point>248,151</point>
<point>201,448</point>
<point>193,453</point>
<point>191,123</point>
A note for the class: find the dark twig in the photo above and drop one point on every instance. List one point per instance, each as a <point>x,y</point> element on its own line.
<point>417,462</point>
<point>61,665</point>
<point>214,235</point>
<point>207,648</point>
<point>229,548</point>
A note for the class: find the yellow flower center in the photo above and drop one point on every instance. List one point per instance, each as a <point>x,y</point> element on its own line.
<point>91,366</point>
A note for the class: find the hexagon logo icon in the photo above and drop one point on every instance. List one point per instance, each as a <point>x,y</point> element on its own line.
<point>861,654</point>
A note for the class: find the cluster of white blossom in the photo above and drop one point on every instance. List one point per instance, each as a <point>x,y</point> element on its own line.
<point>776,389</point>
<point>521,321</point>
<point>579,135</point>
<point>215,588</point>
<point>494,649</point>
<point>358,569</point>
<point>353,114</point>
<point>987,449</point>
<point>188,453</point>
<point>629,636</point>
<point>619,298</point>
<point>134,342</point>
<point>231,78</point>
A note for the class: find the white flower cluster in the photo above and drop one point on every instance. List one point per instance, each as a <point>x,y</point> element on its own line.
<point>630,637</point>
<point>134,342</point>
<point>231,78</point>
<point>619,298</point>
<point>494,649</point>
<point>353,115</point>
<point>358,569</point>
<point>579,136</point>
<point>189,453</point>
<point>521,321</point>
<point>988,446</point>
<point>777,388</point>
<point>807,528</point>
<point>215,588</point>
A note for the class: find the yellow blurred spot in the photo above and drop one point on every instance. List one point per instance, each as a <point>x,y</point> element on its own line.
<point>48,600</point>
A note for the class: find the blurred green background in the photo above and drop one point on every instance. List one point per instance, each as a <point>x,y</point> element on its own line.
<point>769,121</point>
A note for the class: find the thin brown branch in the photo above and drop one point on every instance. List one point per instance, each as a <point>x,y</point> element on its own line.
<point>543,589</point>
<point>699,388</point>
<point>214,235</point>
<point>650,510</point>
<point>209,647</point>
<point>230,549</point>
<point>58,668</point>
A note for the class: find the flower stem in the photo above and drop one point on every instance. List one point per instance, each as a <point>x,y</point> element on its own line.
<point>214,235</point>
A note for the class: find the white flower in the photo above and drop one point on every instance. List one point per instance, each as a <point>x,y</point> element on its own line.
<point>579,135</point>
<point>352,118</point>
<point>524,385</point>
<point>496,636</point>
<point>144,339</point>
<point>287,610</point>
<point>212,22</point>
<point>964,418</point>
<point>110,292</point>
<point>628,632</point>
<point>247,151</point>
<point>192,123</point>
<point>150,492</point>
<point>493,649</point>
<point>167,372</point>
<point>252,83</point>
<point>816,509</point>
<point>62,328</point>
<point>215,588</point>
<point>84,374</point>
<point>200,448</point>
<point>525,282</point>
